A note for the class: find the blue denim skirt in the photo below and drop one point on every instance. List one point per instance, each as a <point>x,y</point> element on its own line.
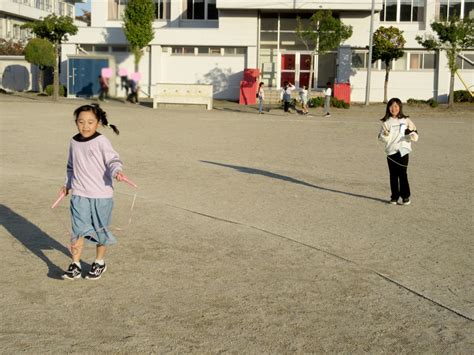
<point>91,218</point>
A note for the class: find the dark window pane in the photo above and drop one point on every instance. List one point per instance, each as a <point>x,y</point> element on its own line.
<point>443,10</point>
<point>212,10</point>
<point>466,64</point>
<point>391,10</point>
<point>358,60</point>
<point>469,9</point>
<point>418,10</point>
<point>198,10</point>
<point>429,61</point>
<point>405,10</point>
<point>454,8</point>
<point>189,10</point>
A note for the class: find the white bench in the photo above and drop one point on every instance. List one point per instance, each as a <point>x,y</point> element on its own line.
<point>194,94</point>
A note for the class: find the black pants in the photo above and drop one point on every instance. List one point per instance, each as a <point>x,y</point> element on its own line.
<point>286,105</point>
<point>397,166</point>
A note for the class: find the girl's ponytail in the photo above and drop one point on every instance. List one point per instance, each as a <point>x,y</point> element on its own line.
<point>99,113</point>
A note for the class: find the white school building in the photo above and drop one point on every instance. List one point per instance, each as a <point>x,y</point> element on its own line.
<point>213,41</point>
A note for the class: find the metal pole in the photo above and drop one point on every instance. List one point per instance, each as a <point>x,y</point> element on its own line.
<point>369,64</point>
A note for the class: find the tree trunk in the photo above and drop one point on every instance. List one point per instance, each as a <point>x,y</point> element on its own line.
<point>451,91</point>
<point>311,64</point>
<point>385,85</point>
<point>56,74</point>
<point>40,79</point>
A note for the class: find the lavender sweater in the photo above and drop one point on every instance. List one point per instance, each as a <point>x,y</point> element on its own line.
<point>92,164</point>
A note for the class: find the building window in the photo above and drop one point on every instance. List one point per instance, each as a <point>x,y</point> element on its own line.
<point>120,49</point>
<point>101,48</point>
<point>162,9</point>
<point>463,64</point>
<point>199,10</point>
<point>458,8</point>
<point>403,11</point>
<point>468,9</point>
<point>360,59</point>
<point>234,51</point>
<point>182,50</point>
<point>419,61</point>
<point>116,9</point>
<point>209,51</point>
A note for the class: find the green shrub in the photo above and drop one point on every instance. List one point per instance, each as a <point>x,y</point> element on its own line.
<point>319,102</point>
<point>50,88</point>
<point>431,102</point>
<point>339,103</point>
<point>316,102</point>
<point>462,96</point>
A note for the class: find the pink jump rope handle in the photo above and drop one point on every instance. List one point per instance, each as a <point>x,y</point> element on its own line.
<point>61,196</point>
<point>128,181</point>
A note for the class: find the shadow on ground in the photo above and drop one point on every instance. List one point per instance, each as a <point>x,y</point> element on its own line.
<point>33,238</point>
<point>269,174</point>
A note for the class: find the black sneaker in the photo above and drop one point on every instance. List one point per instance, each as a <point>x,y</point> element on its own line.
<point>406,201</point>
<point>96,271</point>
<point>393,201</point>
<point>73,272</point>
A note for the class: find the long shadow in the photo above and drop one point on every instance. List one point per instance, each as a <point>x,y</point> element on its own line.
<point>33,238</point>
<point>246,170</point>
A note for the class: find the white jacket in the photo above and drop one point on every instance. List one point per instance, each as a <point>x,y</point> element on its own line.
<point>396,140</point>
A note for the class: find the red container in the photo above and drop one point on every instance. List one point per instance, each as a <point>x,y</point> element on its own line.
<point>251,74</point>
<point>248,87</point>
<point>248,90</point>
<point>342,91</point>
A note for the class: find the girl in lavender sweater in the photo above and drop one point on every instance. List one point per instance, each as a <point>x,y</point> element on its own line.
<point>92,165</point>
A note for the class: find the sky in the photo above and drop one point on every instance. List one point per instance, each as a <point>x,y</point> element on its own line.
<point>85,6</point>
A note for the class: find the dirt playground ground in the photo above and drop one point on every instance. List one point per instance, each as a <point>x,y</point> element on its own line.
<point>249,234</point>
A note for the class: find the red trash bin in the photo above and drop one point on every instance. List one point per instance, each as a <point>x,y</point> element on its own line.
<point>342,91</point>
<point>248,87</point>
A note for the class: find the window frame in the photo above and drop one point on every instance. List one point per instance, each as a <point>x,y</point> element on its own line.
<point>398,11</point>
<point>207,4</point>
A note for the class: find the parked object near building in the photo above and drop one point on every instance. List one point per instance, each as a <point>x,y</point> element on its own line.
<point>249,87</point>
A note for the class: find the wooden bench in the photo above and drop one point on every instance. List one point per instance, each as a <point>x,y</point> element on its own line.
<point>192,94</point>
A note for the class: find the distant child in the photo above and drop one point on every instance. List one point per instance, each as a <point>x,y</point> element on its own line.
<point>327,99</point>
<point>286,95</point>
<point>133,96</point>
<point>304,99</point>
<point>261,98</point>
<point>92,165</point>
<point>397,132</point>
<point>104,88</point>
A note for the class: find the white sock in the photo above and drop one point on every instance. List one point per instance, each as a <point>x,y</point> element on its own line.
<point>78,263</point>
<point>100,262</point>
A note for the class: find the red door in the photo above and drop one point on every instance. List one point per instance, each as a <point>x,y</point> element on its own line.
<point>288,66</point>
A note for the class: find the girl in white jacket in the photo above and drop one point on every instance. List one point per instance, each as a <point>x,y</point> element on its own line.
<point>397,132</point>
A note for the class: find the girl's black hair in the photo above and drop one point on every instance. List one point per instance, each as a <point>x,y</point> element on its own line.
<point>100,114</point>
<point>397,101</point>
<point>260,85</point>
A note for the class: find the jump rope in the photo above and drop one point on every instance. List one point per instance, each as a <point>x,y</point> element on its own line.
<point>62,195</point>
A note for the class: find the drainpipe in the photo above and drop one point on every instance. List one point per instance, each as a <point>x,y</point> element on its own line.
<point>369,64</point>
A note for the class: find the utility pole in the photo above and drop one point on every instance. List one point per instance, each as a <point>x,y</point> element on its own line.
<point>369,64</point>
